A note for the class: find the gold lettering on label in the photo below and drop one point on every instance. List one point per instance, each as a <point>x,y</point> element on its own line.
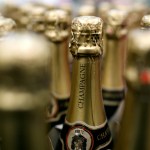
<point>104,134</point>
<point>82,86</point>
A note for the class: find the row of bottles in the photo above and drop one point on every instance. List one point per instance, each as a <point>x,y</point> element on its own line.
<point>97,86</point>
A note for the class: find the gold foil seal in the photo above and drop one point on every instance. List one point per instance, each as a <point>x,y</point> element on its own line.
<point>6,25</point>
<point>145,22</point>
<point>87,32</point>
<point>57,25</point>
<point>137,70</point>
<point>116,23</point>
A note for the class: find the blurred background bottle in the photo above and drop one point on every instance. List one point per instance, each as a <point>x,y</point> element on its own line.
<point>113,83</point>
<point>57,32</point>
<point>24,92</point>
<point>134,131</point>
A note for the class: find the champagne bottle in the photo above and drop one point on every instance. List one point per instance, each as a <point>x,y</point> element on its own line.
<point>113,86</point>
<point>145,22</point>
<point>86,124</point>
<point>24,92</point>
<point>134,131</point>
<point>57,31</point>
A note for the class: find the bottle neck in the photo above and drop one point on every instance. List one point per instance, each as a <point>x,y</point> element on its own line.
<point>86,98</point>
<point>60,80</point>
<point>113,68</point>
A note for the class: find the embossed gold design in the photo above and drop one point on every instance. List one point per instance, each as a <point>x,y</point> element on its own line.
<point>86,36</point>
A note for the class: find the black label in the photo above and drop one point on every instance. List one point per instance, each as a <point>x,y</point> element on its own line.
<point>113,95</point>
<point>80,137</point>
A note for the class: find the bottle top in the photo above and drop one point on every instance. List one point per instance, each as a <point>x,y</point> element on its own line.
<point>116,23</point>
<point>137,68</point>
<point>87,24</point>
<point>116,17</point>
<point>145,22</point>
<point>6,25</point>
<point>23,73</point>
<point>57,25</point>
<point>87,32</point>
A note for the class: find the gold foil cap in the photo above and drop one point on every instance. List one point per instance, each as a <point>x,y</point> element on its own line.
<point>116,17</point>
<point>145,22</point>
<point>87,32</point>
<point>24,73</point>
<point>116,23</point>
<point>138,63</point>
<point>57,25</point>
<point>6,25</point>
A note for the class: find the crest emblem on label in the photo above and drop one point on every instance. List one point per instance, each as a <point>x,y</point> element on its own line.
<point>79,138</point>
